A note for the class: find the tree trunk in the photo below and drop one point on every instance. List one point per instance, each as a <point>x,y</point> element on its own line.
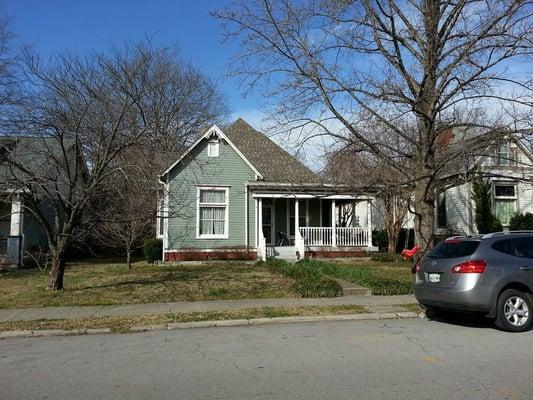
<point>128,257</point>
<point>424,218</point>
<point>58,268</point>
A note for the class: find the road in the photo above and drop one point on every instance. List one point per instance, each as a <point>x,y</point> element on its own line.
<point>394,359</point>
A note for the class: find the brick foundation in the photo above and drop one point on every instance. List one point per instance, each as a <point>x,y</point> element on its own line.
<point>196,255</point>
<point>336,253</point>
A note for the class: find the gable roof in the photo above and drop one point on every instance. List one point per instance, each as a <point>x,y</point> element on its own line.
<point>37,154</point>
<point>269,161</point>
<point>274,163</point>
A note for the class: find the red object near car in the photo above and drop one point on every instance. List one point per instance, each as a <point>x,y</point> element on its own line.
<point>410,253</point>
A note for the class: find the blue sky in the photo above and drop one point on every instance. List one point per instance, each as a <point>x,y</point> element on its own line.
<point>85,25</point>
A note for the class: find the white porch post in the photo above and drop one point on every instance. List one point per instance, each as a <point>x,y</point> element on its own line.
<point>369,221</point>
<point>260,218</point>
<point>333,224</point>
<point>17,217</point>
<point>261,242</point>
<point>296,218</point>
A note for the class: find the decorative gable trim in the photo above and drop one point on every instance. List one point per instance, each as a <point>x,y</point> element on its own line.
<point>214,130</point>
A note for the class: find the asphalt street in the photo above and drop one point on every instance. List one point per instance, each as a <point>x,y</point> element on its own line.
<point>394,359</point>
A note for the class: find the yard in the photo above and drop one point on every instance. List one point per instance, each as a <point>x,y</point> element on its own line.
<point>105,283</point>
<point>108,283</point>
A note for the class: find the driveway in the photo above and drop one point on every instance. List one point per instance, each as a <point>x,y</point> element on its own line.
<point>394,359</point>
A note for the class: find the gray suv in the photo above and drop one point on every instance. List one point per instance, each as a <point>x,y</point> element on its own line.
<point>491,273</point>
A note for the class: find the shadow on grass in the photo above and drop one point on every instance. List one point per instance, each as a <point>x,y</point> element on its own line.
<point>162,278</point>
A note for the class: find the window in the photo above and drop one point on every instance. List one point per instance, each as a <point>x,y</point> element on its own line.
<point>505,155</point>
<point>504,202</point>
<point>212,148</point>
<point>518,247</point>
<point>454,249</point>
<point>442,219</point>
<point>213,213</point>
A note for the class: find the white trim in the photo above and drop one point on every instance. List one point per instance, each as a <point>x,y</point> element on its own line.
<point>255,217</point>
<point>288,213</point>
<point>216,130</point>
<point>246,229</point>
<point>217,250</point>
<point>333,224</point>
<point>226,216</point>
<point>308,196</point>
<point>213,148</point>
<point>273,229</point>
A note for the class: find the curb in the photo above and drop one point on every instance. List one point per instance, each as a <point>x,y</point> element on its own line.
<point>213,324</point>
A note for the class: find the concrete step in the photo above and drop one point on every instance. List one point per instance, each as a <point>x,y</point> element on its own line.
<point>352,289</point>
<point>282,252</point>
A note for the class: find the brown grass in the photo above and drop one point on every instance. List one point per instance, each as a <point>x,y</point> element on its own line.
<point>93,283</point>
<point>123,324</point>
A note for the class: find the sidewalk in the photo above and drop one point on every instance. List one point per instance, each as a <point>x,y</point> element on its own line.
<point>374,304</point>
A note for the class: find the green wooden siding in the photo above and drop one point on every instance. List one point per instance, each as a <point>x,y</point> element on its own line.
<point>228,169</point>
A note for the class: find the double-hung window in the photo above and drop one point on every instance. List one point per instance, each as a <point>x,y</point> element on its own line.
<point>212,213</point>
<point>504,201</point>
<point>505,155</point>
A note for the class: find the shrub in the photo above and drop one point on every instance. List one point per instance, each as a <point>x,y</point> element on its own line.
<point>380,239</point>
<point>486,221</point>
<point>386,257</point>
<point>152,249</point>
<point>521,222</point>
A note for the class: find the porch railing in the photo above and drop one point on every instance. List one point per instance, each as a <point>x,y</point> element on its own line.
<point>344,236</point>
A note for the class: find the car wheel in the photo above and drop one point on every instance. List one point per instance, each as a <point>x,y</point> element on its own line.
<point>514,311</point>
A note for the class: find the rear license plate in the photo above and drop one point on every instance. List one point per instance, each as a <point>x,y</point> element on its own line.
<point>433,278</point>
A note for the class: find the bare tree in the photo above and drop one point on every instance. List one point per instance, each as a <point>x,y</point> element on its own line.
<point>356,168</point>
<point>329,66</point>
<point>87,113</point>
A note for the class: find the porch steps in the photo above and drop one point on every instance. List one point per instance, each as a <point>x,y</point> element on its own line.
<point>352,289</point>
<point>282,252</point>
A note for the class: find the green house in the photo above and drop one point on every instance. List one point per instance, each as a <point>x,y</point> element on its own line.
<point>235,194</point>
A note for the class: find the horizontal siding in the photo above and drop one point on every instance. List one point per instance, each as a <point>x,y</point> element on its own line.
<point>228,169</point>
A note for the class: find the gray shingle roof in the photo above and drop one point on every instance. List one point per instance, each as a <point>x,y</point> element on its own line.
<point>273,162</point>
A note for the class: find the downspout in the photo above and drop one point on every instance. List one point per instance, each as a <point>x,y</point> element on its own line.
<point>246,209</point>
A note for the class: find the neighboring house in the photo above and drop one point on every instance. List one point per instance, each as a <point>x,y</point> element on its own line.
<point>235,194</point>
<point>19,229</point>
<point>509,166</point>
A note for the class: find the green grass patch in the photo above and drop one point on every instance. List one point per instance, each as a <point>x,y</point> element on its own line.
<point>310,281</point>
<point>392,278</point>
<point>123,324</point>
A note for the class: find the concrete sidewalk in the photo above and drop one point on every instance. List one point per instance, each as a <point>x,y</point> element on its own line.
<point>372,303</point>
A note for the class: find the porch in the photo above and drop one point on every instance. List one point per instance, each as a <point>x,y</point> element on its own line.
<point>295,225</point>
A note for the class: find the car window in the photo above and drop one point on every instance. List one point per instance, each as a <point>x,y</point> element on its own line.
<point>518,247</point>
<point>523,247</point>
<point>504,246</point>
<point>454,248</point>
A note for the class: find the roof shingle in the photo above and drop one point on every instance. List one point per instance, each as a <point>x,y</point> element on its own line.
<point>273,162</point>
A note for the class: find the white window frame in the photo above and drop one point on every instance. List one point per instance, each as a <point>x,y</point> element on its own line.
<point>224,189</point>
<point>213,148</point>
<point>506,158</point>
<point>496,198</point>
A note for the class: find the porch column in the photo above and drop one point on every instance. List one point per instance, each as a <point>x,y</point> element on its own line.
<point>15,240</point>
<point>17,217</point>
<point>333,224</point>
<point>369,221</point>
<point>260,219</point>
<point>296,218</point>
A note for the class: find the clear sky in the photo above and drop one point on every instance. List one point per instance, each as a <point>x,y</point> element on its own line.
<point>85,25</point>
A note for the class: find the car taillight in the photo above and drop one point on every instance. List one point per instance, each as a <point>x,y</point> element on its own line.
<point>470,267</point>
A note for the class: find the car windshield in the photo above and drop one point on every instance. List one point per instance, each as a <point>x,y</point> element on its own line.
<point>454,248</point>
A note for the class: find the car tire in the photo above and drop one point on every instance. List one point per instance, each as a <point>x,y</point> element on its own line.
<point>514,311</point>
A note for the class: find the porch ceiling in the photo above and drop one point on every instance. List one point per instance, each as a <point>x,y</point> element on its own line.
<point>308,191</point>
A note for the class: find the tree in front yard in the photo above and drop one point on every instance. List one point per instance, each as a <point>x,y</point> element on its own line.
<point>90,112</point>
<point>420,68</point>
